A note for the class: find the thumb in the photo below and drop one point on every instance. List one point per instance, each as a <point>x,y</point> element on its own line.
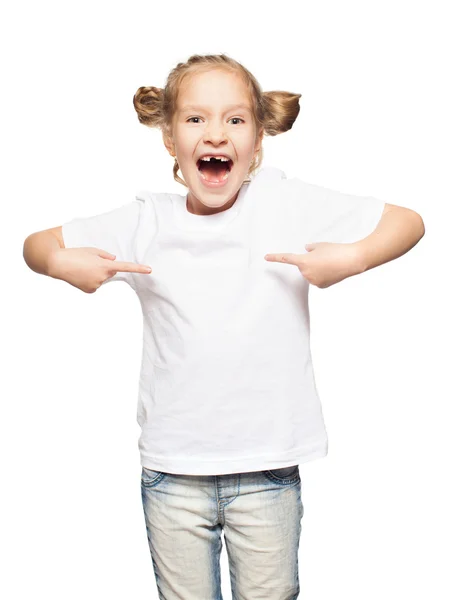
<point>310,246</point>
<point>105,254</point>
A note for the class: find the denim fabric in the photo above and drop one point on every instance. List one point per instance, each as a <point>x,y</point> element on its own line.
<point>260,513</point>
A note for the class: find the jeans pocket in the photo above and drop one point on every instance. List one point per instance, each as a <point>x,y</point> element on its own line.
<point>149,477</point>
<point>284,474</point>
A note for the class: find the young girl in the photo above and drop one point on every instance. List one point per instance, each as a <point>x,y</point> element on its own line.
<point>227,405</point>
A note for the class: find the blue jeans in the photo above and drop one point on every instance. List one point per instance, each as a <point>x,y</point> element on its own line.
<point>260,513</point>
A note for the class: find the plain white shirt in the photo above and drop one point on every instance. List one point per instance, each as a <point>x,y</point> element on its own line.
<point>227,382</point>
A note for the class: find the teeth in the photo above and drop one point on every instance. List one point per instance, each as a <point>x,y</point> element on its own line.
<point>222,158</point>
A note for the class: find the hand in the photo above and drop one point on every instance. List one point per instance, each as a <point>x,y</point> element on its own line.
<point>324,264</point>
<point>87,268</point>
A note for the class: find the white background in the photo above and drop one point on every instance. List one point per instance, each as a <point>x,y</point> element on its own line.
<point>374,120</point>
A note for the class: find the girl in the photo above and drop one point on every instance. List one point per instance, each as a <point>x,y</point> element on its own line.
<point>227,405</point>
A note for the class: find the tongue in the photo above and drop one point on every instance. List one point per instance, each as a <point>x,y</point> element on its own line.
<point>214,172</point>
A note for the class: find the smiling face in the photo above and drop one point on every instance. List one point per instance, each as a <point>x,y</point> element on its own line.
<point>214,117</point>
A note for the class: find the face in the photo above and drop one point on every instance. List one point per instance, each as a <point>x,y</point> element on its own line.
<point>208,120</point>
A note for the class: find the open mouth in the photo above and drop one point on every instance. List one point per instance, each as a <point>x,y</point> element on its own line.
<point>214,170</point>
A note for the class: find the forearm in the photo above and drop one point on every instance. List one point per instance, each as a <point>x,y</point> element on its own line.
<point>396,233</point>
<point>37,250</point>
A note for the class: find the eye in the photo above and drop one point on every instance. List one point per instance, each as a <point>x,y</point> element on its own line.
<point>233,118</point>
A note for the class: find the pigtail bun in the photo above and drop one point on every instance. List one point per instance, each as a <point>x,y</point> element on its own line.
<point>148,103</point>
<point>281,110</point>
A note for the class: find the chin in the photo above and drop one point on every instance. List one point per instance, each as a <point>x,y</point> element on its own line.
<point>213,199</point>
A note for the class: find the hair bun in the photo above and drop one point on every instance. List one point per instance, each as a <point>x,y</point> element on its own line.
<point>148,102</point>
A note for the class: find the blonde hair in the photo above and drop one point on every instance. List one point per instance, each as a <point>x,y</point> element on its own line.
<point>273,112</point>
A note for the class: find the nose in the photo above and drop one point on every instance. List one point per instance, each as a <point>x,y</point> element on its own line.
<point>215,133</point>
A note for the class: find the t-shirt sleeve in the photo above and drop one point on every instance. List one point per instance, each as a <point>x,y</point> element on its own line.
<point>114,231</point>
<point>332,216</point>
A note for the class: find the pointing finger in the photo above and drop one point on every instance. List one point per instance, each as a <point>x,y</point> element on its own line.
<point>130,267</point>
<point>286,257</point>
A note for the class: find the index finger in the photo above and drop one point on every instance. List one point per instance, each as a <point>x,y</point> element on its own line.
<point>129,267</point>
<point>286,257</point>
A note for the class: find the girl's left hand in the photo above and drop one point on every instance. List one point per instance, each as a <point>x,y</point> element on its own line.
<point>324,264</point>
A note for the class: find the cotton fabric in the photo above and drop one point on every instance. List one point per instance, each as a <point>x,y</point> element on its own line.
<point>227,383</point>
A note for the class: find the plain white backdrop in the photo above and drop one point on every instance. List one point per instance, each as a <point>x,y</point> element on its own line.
<point>374,120</point>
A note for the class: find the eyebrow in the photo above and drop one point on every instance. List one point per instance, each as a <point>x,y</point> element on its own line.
<point>227,108</point>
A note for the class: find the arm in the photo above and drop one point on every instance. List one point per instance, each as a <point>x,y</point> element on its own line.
<point>38,248</point>
<point>398,230</point>
<point>327,263</point>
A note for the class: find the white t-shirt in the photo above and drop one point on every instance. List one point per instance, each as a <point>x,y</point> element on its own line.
<point>227,383</point>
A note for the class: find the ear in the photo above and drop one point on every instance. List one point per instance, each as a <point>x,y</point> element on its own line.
<point>258,142</point>
<point>169,145</point>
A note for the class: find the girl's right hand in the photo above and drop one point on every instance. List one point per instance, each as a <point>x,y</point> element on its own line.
<point>87,268</point>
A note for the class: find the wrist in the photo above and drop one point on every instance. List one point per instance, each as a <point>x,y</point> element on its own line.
<point>358,263</point>
<point>53,263</point>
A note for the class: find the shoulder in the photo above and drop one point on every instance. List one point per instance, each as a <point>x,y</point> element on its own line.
<point>272,178</point>
<point>155,198</point>
<point>151,201</point>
